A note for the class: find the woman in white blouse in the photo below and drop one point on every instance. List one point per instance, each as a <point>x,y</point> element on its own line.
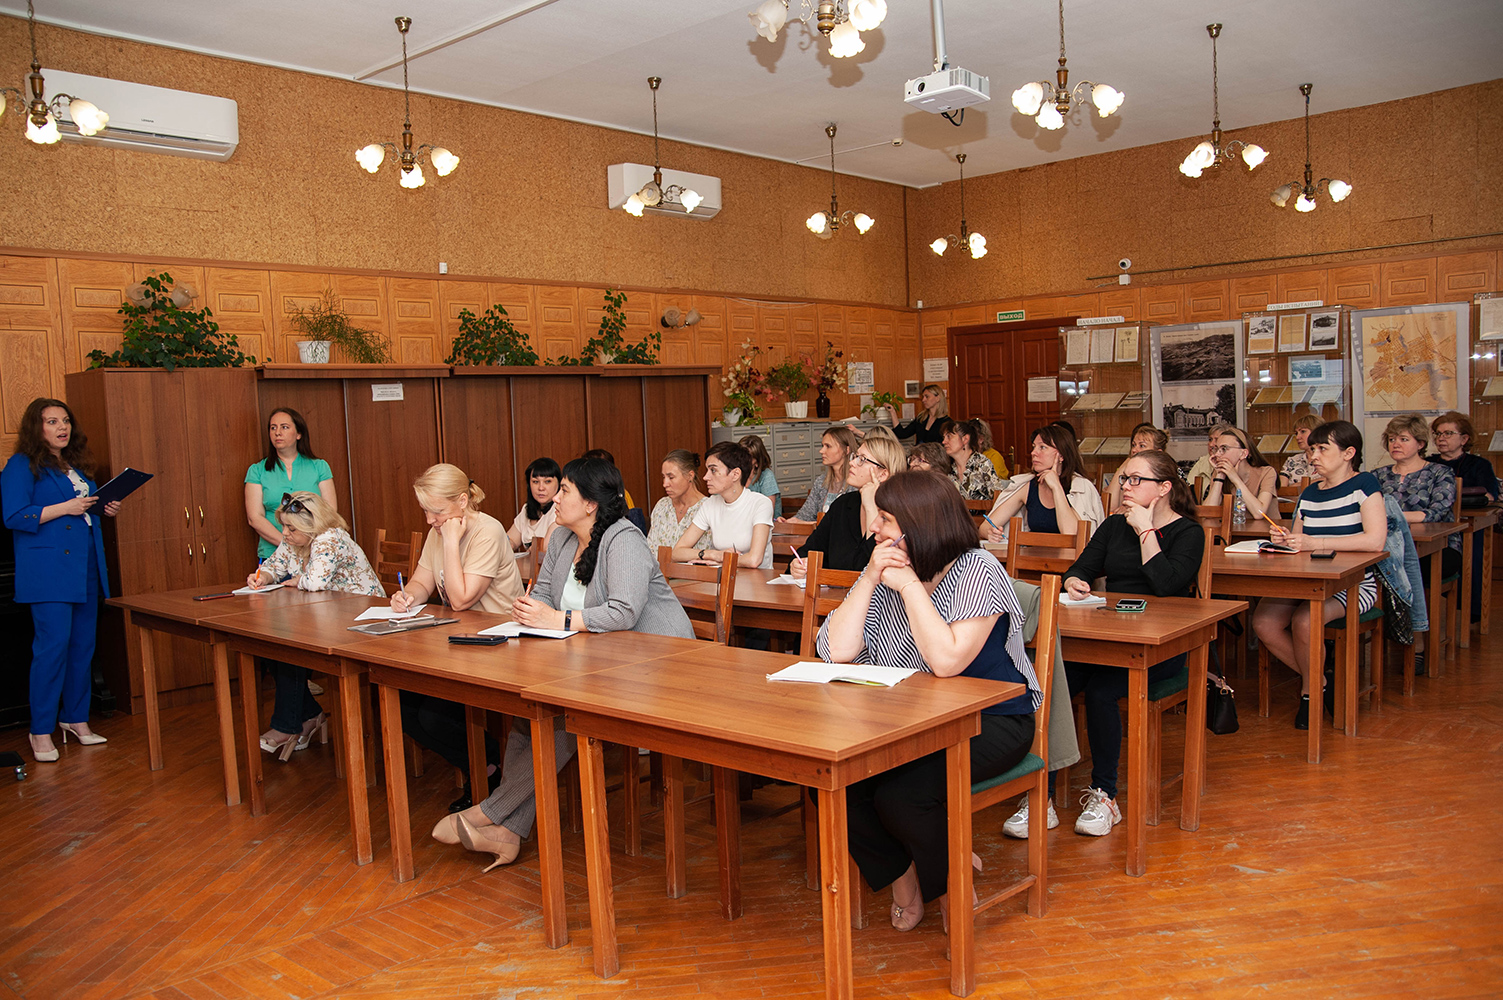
<point>536,518</point>
<point>672,514</point>
<point>733,519</point>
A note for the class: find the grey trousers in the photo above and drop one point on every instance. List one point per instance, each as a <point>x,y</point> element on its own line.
<point>514,802</point>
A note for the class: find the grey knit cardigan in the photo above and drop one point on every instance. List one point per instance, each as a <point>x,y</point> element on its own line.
<point>627,592</point>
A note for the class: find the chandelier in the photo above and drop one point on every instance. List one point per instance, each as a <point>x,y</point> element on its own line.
<point>41,116</point>
<point>1048,103</point>
<point>974,242</point>
<point>841,21</point>
<point>653,193</point>
<point>1211,152</point>
<point>1305,202</point>
<point>370,157</point>
<point>824,224</point>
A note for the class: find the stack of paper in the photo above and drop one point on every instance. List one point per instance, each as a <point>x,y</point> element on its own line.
<point>1087,601</point>
<point>1273,444</point>
<point>1115,446</point>
<point>1089,445</point>
<point>268,588</point>
<point>807,672</point>
<point>514,629</point>
<point>386,614</point>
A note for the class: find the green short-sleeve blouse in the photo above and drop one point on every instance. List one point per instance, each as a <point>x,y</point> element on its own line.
<point>307,473</point>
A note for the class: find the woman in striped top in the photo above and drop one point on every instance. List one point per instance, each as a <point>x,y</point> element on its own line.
<point>930,599</point>
<point>1343,511</point>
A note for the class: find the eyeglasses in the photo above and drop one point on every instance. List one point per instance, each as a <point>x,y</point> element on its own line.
<point>1138,480</point>
<point>293,505</point>
<point>1446,434</point>
<point>863,460</point>
<point>1222,449</point>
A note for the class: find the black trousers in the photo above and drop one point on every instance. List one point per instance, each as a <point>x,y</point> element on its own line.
<point>899,817</point>
<point>439,725</point>
<point>1103,687</point>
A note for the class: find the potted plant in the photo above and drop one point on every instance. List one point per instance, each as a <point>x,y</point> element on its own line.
<point>609,345</point>
<point>879,404</point>
<point>325,323</point>
<point>791,378</point>
<point>745,385</point>
<point>160,332</point>
<point>490,339</point>
<point>828,374</point>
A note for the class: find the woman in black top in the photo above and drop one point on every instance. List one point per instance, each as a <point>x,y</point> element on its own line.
<point>844,534</point>
<point>1153,548</point>
<point>926,427</point>
<point>1452,434</point>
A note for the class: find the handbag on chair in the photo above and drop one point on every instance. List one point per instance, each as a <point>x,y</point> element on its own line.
<point>1221,707</point>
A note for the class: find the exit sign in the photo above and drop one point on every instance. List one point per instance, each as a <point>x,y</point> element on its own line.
<point>1012,316</point>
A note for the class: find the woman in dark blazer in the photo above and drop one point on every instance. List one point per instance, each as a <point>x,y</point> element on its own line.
<point>47,499</point>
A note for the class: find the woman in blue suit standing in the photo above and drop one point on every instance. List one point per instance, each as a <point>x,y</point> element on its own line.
<point>60,571</point>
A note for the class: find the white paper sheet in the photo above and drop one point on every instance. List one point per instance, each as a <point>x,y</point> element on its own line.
<point>515,629</point>
<point>1067,601</point>
<point>386,614</point>
<point>815,672</point>
<point>243,591</point>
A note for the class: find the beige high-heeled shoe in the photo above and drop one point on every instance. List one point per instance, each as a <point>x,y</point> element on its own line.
<point>88,738</point>
<point>483,840</point>
<point>43,756</point>
<point>446,831</point>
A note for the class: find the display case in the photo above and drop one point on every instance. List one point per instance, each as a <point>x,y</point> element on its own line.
<point>1487,379</point>
<point>1298,361</point>
<point>1103,390</point>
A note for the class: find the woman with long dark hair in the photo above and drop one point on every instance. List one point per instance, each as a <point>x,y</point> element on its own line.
<point>1057,495</point>
<point>60,569</point>
<point>598,576</point>
<point>289,467</point>
<point>535,519</point>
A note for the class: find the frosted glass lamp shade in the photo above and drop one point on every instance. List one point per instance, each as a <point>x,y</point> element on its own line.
<point>818,223</point>
<point>1253,155</point>
<point>690,199</point>
<point>634,206</point>
<point>89,119</point>
<point>1050,118</point>
<point>939,246</point>
<point>413,178</point>
<point>769,18</point>
<point>1028,98</point>
<point>370,157</point>
<point>1106,98</point>
<point>978,245</point>
<point>868,14</point>
<point>43,135</point>
<point>845,40</point>
<point>1304,203</point>
<point>863,222</point>
<point>1339,189</point>
<point>443,161</point>
<point>1280,196</point>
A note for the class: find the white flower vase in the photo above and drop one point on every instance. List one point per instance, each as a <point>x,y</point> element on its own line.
<point>797,411</point>
<point>313,352</point>
<point>730,416</point>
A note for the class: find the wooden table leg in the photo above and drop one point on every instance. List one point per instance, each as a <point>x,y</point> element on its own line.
<point>1464,616</point>
<point>1487,578</point>
<point>224,703</point>
<point>836,895</point>
<point>1137,770</point>
<point>673,826</point>
<point>475,732</point>
<point>1435,663</point>
<point>1316,657</point>
<point>631,802</point>
<point>962,916</point>
<point>149,696</point>
<point>728,839</point>
<point>351,720</point>
<point>396,783</point>
<point>550,838</point>
<point>1347,696</point>
<point>597,853</point>
<point>250,710</point>
<point>1195,741</point>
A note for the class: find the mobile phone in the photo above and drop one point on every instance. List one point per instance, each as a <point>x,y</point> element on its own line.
<point>211,597</point>
<point>475,639</point>
<point>1323,555</point>
<point>1131,604</point>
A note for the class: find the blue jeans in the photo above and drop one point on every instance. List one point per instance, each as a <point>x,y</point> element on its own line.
<point>62,654</point>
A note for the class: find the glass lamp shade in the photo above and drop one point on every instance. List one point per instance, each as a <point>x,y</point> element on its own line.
<point>1339,189</point>
<point>42,135</point>
<point>650,194</point>
<point>818,223</point>
<point>1253,155</point>
<point>1107,99</point>
<point>939,246</point>
<point>690,199</point>
<point>444,161</point>
<point>845,40</point>
<point>1200,157</point>
<point>1050,118</point>
<point>868,14</point>
<point>413,178</point>
<point>1028,98</point>
<point>370,157</point>
<point>1280,196</point>
<point>1190,168</point>
<point>2,103</point>
<point>863,222</point>
<point>1304,203</point>
<point>634,206</point>
<point>978,245</point>
<point>769,18</point>
<point>89,119</point>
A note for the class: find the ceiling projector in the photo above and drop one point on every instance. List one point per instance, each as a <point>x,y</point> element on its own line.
<point>947,90</point>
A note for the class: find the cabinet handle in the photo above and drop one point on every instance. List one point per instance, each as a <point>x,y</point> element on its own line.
<point>203,551</point>
<point>200,516</point>
<point>187,521</point>
<point>190,550</point>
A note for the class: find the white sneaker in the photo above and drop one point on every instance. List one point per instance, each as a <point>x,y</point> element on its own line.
<point>1017,824</point>
<point>1098,815</point>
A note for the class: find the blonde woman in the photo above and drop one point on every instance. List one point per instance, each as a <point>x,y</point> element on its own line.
<point>836,447</point>
<point>1297,466</point>
<point>466,558</point>
<point>928,426</point>
<point>317,554</point>
<point>1239,467</point>
<point>845,534</point>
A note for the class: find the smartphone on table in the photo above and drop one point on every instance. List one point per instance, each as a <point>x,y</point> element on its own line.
<point>1131,604</point>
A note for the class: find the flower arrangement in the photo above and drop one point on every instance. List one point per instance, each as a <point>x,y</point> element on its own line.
<point>829,373</point>
<point>745,384</point>
<point>790,378</point>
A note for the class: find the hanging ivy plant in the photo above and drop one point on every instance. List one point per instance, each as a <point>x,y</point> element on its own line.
<point>159,333</point>
<point>609,343</point>
<point>490,339</point>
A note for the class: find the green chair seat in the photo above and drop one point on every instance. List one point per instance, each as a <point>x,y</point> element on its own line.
<point>1028,765</point>
<point>1450,579</point>
<point>1173,684</point>
<point>1362,619</point>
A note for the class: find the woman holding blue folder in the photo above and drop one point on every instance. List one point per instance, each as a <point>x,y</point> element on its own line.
<point>60,570</point>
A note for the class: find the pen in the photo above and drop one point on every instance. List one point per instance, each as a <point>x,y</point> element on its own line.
<point>989,521</point>
<point>794,550</point>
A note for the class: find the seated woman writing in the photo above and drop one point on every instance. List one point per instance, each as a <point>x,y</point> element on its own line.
<point>844,534</point>
<point>598,576</point>
<point>1153,547</point>
<point>316,553</point>
<point>932,599</point>
<point>1056,496</point>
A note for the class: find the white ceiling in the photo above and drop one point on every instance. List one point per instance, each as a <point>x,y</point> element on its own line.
<point>724,86</point>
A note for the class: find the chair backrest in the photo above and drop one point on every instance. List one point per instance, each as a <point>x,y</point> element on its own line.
<point>1217,516</point>
<point>529,561</point>
<point>1456,504</point>
<point>1022,565</point>
<point>802,528</point>
<point>816,604</point>
<point>1198,488</point>
<point>724,578</point>
<point>396,557</point>
<point>1203,578</point>
<point>1045,641</point>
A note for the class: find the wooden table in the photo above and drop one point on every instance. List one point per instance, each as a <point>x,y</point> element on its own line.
<point>722,710</point>
<point>1298,577</point>
<point>1482,519</point>
<point>1136,641</point>
<point>177,613</point>
<point>1430,537</point>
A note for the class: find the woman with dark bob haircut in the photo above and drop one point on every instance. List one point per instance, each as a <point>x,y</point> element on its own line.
<point>930,599</point>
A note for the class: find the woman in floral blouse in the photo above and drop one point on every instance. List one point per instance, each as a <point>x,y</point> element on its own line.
<point>1425,490</point>
<point>681,501</point>
<point>316,554</point>
<point>974,473</point>
<point>1297,466</point>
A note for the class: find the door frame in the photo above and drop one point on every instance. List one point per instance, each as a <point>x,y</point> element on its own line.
<point>1022,326</point>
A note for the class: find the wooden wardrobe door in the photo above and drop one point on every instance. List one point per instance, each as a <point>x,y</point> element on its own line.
<point>220,407</point>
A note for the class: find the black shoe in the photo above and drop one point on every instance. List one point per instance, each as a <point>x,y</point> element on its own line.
<point>1419,664</point>
<point>1302,716</point>
<point>463,802</point>
<point>1328,697</point>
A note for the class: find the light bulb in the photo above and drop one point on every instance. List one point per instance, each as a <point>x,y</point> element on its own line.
<point>1050,118</point>
<point>413,178</point>
<point>89,119</point>
<point>1253,155</point>
<point>1339,190</point>
<point>769,19</point>
<point>370,157</point>
<point>690,199</point>
<point>817,223</point>
<point>1028,98</point>
<point>1106,98</point>
<point>978,245</point>
<point>1190,168</point>
<point>650,194</point>
<point>1304,203</point>
<point>940,245</point>
<point>633,206</point>
<point>863,222</point>
<point>867,14</point>
<point>443,161</point>
<point>845,40</point>
<point>42,135</point>
<point>1280,196</point>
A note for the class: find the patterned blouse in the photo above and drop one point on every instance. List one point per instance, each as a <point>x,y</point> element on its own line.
<point>819,499</point>
<point>1430,489</point>
<point>665,529</point>
<point>334,562</point>
<point>1297,467</point>
<point>979,480</point>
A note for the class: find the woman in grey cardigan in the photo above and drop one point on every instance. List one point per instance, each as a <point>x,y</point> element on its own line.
<point>598,575</point>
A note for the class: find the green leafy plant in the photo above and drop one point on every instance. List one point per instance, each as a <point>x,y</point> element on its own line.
<point>791,378</point>
<point>326,320</point>
<point>881,400</point>
<point>609,342</point>
<point>160,333</point>
<point>490,339</point>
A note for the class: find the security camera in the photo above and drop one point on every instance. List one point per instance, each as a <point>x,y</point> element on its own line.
<point>1124,263</point>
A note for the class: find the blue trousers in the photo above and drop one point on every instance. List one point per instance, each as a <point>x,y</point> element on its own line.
<point>62,651</point>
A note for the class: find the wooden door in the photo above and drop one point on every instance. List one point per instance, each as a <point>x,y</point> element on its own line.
<point>617,422</point>
<point>992,366</point>
<point>220,405</point>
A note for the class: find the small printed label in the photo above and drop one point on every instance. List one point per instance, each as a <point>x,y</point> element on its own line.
<point>1011,316</point>
<point>1312,304</point>
<point>1100,321</point>
<point>386,392</point>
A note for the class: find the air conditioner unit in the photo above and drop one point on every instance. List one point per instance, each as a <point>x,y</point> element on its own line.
<point>152,119</point>
<point>622,180</point>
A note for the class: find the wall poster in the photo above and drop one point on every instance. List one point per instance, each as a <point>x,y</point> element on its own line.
<point>1409,359</point>
<point>1197,381</point>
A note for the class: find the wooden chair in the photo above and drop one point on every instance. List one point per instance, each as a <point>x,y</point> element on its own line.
<point>724,578</point>
<point>786,533</point>
<point>1369,626</point>
<point>396,557</point>
<point>1232,642</point>
<point>1021,566</point>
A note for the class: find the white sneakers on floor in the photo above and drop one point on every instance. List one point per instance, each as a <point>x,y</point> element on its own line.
<point>1099,813</point>
<point>1017,824</point>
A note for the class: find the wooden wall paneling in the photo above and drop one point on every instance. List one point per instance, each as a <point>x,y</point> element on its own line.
<point>477,426</point>
<point>1088,304</point>
<point>90,293</point>
<point>520,303</point>
<point>291,291</point>
<point>934,326</point>
<point>391,443</point>
<point>972,315</point>
<point>1312,285</point>
<point>743,326</point>
<point>1120,302</point>
<point>365,299</point>
<point>415,318</point>
<point>560,324</point>
<point>677,347</point>
<point>908,349</point>
<point>711,328</point>
<point>548,418</point>
<point>32,353</point>
<point>680,407</point>
<point>1461,276</point>
<point>240,298</point>
<point>321,403</point>
<point>222,404</point>
<point>618,424</point>
<point>1163,303</point>
<point>884,352</point>
<point>1407,282</point>
<point>775,331</point>
<point>1252,293</point>
<point>641,318</point>
<point>1355,286</point>
<point>1206,301</point>
<point>455,297</point>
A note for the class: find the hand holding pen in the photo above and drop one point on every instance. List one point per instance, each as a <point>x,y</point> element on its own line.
<point>799,567</point>
<point>400,601</point>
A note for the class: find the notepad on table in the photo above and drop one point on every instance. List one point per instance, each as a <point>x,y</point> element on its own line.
<point>816,672</point>
<point>243,591</point>
<point>787,578</point>
<point>1084,602</point>
<point>513,630</point>
<point>380,614</point>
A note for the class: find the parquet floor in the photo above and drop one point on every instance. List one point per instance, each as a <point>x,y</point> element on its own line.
<point>1378,873</point>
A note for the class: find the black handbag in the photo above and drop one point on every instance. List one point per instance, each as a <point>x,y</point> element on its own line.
<point>1221,707</point>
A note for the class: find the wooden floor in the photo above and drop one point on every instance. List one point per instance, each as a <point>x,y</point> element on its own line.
<point>1378,873</point>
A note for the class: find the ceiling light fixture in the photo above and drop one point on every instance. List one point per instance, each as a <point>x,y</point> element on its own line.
<point>974,242</point>
<point>1049,103</point>
<point>370,157</point>
<point>41,116</point>
<point>841,21</point>
<point>1211,152</point>
<point>1336,188</point>
<point>653,193</point>
<point>824,225</point>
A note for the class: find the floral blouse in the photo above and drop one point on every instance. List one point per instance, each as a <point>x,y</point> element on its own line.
<point>1431,490</point>
<point>979,480</point>
<point>1297,467</point>
<point>665,529</point>
<point>334,562</point>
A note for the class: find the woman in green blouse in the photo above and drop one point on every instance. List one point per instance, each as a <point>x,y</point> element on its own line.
<point>290,467</point>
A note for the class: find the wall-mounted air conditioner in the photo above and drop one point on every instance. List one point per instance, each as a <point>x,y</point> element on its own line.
<point>152,119</point>
<point>622,180</point>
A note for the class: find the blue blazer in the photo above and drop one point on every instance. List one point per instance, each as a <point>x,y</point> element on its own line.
<point>49,557</point>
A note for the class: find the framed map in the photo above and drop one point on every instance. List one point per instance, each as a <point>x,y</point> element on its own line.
<point>1410,359</point>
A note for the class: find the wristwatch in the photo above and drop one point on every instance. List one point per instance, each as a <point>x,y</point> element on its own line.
<point>567,616</point>
<point>701,553</point>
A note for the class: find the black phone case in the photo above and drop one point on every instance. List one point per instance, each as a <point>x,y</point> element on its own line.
<point>477,640</point>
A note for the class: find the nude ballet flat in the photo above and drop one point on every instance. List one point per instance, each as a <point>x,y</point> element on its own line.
<point>480,841</point>
<point>87,738</point>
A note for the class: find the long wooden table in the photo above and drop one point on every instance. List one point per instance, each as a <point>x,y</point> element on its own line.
<point>722,710</point>
<point>1136,641</point>
<point>1483,520</point>
<point>1430,537</point>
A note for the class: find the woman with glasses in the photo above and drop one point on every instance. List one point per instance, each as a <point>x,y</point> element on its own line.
<point>1056,496</point>
<point>289,467</point>
<point>1154,548</point>
<point>316,554</point>
<point>1240,468</point>
<point>1453,440</point>
<point>844,534</point>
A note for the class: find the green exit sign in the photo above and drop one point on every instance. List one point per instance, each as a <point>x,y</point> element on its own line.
<point>1012,316</point>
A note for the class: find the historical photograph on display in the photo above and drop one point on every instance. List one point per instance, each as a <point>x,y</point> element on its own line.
<point>1261,332</point>
<point>1291,332</point>
<point>1197,355</point>
<point>1325,331</point>
<point>1195,409</point>
<point>1127,343</point>
<point>1197,381</point>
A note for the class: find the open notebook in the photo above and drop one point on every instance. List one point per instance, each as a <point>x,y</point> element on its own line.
<point>851,673</point>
